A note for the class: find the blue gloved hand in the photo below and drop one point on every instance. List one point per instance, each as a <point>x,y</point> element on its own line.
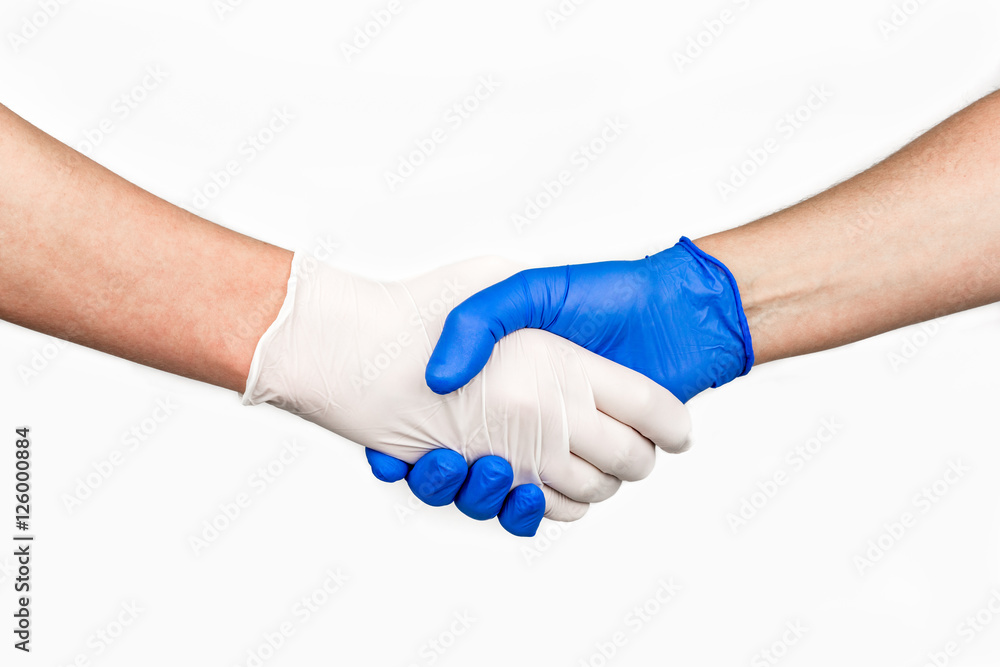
<point>481,491</point>
<point>676,317</point>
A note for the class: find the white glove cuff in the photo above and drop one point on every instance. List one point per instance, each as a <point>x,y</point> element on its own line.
<point>252,395</point>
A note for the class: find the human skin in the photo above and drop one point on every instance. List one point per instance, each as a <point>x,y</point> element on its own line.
<point>913,238</point>
<point>89,257</point>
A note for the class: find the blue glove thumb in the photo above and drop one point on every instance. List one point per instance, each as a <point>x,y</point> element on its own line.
<point>474,326</point>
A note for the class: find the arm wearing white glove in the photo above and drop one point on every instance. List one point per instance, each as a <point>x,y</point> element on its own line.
<point>89,257</point>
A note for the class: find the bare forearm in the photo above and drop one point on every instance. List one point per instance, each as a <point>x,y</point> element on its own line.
<point>913,238</point>
<point>92,258</point>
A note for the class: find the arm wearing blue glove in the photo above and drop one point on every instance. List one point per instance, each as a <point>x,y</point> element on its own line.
<point>913,238</point>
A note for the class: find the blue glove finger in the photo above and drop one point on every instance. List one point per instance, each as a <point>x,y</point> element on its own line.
<point>523,510</point>
<point>438,476</point>
<point>386,468</point>
<point>526,299</point>
<point>485,489</point>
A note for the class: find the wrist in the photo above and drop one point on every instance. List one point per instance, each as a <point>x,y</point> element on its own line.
<point>254,390</point>
<point>793,286</point>
<point>705,340</point>
<point>731,307</point>
<point>259,296</point>
<point>756,277</point>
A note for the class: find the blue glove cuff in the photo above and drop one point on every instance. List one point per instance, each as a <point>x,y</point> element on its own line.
<point>700,254</point>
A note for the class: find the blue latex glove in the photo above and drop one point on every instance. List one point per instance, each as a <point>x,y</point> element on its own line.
<point>676,317</point>
<point>481,491</point>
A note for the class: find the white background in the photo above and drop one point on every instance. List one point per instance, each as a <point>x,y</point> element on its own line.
<point>560,598</point>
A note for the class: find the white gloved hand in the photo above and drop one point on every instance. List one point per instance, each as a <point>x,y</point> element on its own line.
<point>349,354</point>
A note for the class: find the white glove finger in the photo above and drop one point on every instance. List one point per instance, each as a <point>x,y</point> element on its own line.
<point>560,508</point>
<point>578,480</point>
<point>635,400</point>
<point>615,448</point>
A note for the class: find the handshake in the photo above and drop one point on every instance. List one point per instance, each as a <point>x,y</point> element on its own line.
<point>513,396</point>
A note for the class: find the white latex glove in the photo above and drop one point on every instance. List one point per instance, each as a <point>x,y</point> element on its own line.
<point>349,354</point>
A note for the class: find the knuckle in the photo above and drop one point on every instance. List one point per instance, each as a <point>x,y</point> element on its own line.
<point>632,464</point>
<point>464,318</point>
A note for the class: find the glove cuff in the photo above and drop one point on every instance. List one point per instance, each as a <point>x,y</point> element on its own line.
<point>252,395</point>
<point>744,326</point>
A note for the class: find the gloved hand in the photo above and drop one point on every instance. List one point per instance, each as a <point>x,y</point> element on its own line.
<point>349,354</point>
<point>676,317</point>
